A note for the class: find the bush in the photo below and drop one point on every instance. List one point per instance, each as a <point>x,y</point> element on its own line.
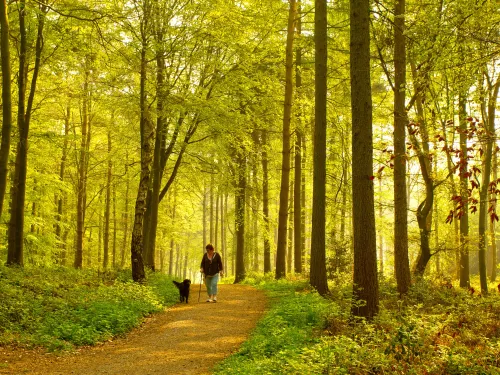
<point>59,308</point>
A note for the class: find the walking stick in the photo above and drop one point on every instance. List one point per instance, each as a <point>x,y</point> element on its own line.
<point>201,282</point>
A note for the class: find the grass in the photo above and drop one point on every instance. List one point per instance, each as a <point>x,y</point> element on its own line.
<point>63,308</point>
<point>434,330</point>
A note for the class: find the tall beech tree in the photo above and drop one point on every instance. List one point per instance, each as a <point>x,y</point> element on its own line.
<point>6,99</point>
<point>401,259</point>
<point>25,109</point>
<point>365,249</point>
<point>285,161</point>
<point>318,265</point>
<point>492,90</point>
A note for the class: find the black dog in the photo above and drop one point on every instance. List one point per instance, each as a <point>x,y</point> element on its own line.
<point>183,289</point>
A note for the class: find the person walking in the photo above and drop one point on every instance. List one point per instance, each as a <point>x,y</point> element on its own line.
<point>211,267</point>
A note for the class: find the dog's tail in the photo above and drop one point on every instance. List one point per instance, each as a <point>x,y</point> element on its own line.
<point>176,283</point>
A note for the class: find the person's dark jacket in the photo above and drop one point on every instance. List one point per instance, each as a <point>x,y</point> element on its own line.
<point>211,267</point>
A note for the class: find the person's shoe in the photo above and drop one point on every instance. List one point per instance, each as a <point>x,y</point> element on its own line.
<point>215,299</point>
<point>209,300</point>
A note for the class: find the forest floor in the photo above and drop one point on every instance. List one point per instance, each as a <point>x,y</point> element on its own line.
<point>184,339</point>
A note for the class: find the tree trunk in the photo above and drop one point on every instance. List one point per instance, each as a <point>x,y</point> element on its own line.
<point>297,213</point>
<point>114,226</point>
<point>147,134</point>
<point>285,163</point>
<point>216,224</point>
<point>6,100</point>
<point>125,214</point>
<point>211,208</point>
<point>424,210</point>
<point>82,175</point>
<point>16,226</point>
<point>493,246</point>
<point>464,194</point>
<point>107,212</point>
<point>204,207</point>
<point>401,259</point>
<point>289,242</point>
<point>365,249</point>
<point>172,242</point>
<point>318,256</point>
<point>265,204</point>
<point>61,196</point>
<point>485,183</point>
<point>240,215</point>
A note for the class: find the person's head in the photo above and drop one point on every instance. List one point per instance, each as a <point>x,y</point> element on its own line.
<point>210,248</point>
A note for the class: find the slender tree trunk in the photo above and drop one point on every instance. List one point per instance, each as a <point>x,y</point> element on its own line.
<point>289,242</point>
<point>204,205</point>
<point>240,216</point>
<point>6,100</point>
<point>464,181</point>
<point>211,208</point>
<point>380,237</point>
<point>265,204</point>
<point>297,213</point>
<point>255,206</point>
<point>107,212</point>
<point>493,247</point>
<point>485,184</point>
<point>318,256</point>
<point>285,163</point>
<point>216,224</point>
<point>125,214</point>
<point>114,226</point>
<point>365,249</point>
<point>424,210</point>
<point>401,259</point>
<point>147,134</point>
<point>226,226</point>
<point>172,242</point>
<point>82,174</point>
<point>61,196</point>
<point>99,239</point>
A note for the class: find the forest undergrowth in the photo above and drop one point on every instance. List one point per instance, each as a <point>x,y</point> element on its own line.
<point>437,329</point>
<point>63,308</point>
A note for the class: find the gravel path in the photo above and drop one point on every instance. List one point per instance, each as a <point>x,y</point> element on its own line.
<point>185,339</point>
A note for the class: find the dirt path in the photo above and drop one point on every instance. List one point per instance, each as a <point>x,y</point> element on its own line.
<point>186,339</point>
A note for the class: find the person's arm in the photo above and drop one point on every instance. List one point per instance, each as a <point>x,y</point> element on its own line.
<point>201,264</point>
<point>221,267</point>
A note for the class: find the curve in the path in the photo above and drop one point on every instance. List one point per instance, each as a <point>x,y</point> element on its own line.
<point>186,339</point>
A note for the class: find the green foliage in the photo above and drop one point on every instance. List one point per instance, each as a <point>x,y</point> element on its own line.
<point>61,307</point>
<point>434,330</point>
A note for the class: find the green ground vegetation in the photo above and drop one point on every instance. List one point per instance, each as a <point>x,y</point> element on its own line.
<point>437,329</point>
<point>62,308</point>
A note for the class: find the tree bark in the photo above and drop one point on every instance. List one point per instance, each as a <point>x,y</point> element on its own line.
<point>464,194</point>
<point>285,161</point>
<point>265,204</point>
<point>318,256</point>
<point>147,134</point>
<point>493,245</point>
<point>240,215</point>
<point>401,259</point>
<point>16,226</point>
<point>297,213</point>
<point>107,212</point>
<point>82,174</point>
<point>6,100</point>
<point>485,183</point>
<point>125,214</point>
<point>365,249</point>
